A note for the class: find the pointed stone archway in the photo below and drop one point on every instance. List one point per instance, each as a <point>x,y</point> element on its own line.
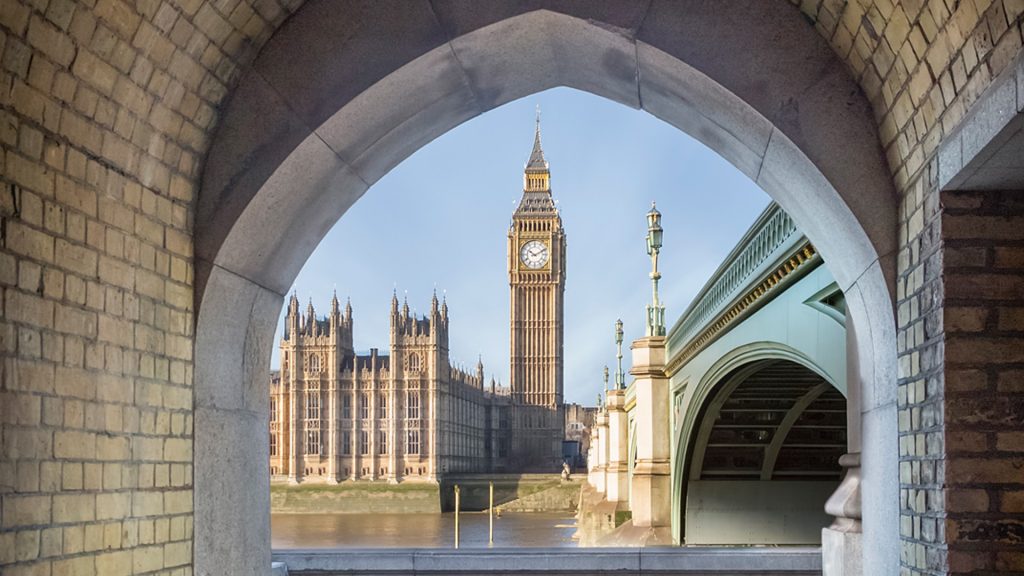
<point>345,91</point>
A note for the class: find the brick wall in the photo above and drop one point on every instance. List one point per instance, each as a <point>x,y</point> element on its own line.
<point>106,110</point>
<point>922,64</point>
<point>983,268</point>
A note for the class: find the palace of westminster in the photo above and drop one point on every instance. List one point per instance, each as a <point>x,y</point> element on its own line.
<point>336,415</point>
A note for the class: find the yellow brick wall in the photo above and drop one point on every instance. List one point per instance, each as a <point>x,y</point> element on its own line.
<point>107,107</point>
<point>923,64</point>
<point>106,110</point>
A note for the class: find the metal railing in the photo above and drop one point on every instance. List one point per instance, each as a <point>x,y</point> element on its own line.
<point>771,233</point>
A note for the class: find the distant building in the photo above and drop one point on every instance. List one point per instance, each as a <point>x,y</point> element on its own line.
<point>579,421</point>
<point>336,415</point>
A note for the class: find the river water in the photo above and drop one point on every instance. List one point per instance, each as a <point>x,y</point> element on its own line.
<point>512,529</point>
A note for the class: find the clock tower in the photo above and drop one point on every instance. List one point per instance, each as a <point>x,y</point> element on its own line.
<point>536,273</point>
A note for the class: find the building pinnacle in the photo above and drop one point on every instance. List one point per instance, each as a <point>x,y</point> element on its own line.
<point>537,160</point>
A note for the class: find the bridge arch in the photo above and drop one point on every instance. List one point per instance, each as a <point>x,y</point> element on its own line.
<point>767,416</point>
<point>315,121</point>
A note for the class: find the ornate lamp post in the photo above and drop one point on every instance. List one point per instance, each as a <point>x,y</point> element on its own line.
<point>655,311</point>
<point>620,378</point>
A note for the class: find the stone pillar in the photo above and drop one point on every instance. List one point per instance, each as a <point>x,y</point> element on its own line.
<point>333,452</point>
<point>617,483</point>
<point>599,470</point>
<point>356,421</point>
<point>393,475</point>
<point>841,546</point>
<point>651,494</point>
<point>295,470</point>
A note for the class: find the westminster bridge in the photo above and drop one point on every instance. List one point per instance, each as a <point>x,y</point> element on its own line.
<point>734,426</point>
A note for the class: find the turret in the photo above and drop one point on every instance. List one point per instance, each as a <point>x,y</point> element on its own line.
<point>480,370</point>
<point>335,318</point>
<point>310,319</point>
<point>291,325</point>
<point>348,311</point>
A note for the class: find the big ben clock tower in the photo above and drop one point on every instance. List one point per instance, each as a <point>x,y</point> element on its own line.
<point>536,273</point>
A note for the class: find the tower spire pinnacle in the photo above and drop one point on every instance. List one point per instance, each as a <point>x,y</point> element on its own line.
<point>537,160</point>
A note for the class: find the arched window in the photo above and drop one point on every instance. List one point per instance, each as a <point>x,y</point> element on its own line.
<point>314,363</point>
<point>382,405</point>
<point>313,441</point>
<point>413,362</point>
<point>273,444</point>
<point>364,406</point>
<point>412,405</point>
<point>313,405</point>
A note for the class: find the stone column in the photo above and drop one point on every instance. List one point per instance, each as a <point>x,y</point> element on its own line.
<point>651,483</point>
<point>617,483</point>
<point>599,471</point>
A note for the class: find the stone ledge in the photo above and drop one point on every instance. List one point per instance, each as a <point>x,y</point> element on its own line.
<point>802,561</point>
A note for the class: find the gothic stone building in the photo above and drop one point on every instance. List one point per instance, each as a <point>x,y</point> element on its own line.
<point>337,415</point>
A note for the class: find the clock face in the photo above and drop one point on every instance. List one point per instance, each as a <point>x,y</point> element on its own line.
<point>534,254</point>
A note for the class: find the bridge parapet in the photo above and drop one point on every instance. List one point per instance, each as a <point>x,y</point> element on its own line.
<point>772,236</point>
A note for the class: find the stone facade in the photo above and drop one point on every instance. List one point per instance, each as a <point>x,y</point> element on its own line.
<point>579,424</point>
<point>336,415</point>
<point>108,112</point>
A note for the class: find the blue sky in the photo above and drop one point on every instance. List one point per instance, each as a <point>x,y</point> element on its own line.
<point>440,220</point>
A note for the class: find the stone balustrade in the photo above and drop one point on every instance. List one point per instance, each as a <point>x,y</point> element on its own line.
<point>536,561</point>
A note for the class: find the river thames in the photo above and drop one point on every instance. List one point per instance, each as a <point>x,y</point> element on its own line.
<point>533,529</point>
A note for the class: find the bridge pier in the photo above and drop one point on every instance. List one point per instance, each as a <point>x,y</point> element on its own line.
<point>651,490</point>
<point>617,481</point>
<point>598,474</point>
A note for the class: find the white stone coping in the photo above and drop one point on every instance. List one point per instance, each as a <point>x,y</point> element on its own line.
<point>705,561</point>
